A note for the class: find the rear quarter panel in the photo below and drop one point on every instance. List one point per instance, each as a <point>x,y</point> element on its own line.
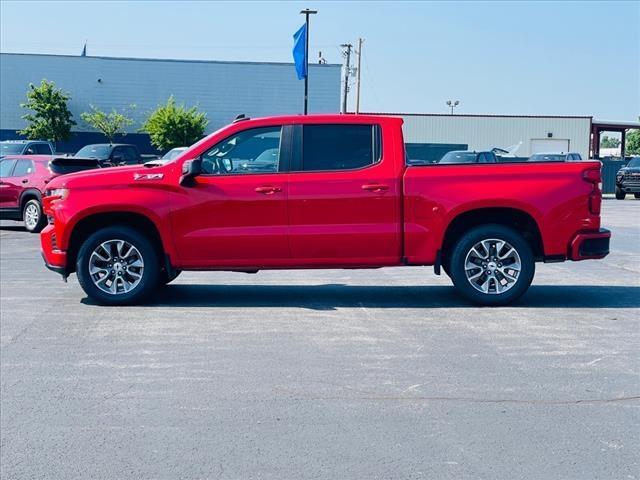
<point>553,194</point>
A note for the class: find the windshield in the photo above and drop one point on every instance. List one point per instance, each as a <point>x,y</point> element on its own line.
<point>11,148</point>
<point>94,151</point>
<point>459,157</point>
<point>634,162</point>
<point>548,157</point>
<point>173,153</point>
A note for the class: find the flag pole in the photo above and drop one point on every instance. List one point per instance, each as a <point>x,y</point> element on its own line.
<point>306,12</point>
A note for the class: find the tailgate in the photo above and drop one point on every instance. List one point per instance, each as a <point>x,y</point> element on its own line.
<point>64,165</point>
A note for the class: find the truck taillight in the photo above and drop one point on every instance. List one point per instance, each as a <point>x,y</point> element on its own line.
<point>594,177</point>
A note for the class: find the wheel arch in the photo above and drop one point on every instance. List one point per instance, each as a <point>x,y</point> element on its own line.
<point>30,194</point>
<point>96,221</point>
<point>515,218</point>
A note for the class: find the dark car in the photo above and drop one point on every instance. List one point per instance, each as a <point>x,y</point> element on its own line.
<point>628,179</point>
<point>114,154</point>
<point>25,147</point>
<point>23,180</point>
<point>468,156</point>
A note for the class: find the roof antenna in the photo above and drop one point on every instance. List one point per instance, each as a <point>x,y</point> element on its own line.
<point>240,118</point>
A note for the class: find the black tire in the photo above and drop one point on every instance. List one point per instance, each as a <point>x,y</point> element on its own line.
<point>620,194</point>
<point>166,278</point>
<point>464,246</point>
<point>636,195</point>
<point>31,224</point>
<point>150,274</point>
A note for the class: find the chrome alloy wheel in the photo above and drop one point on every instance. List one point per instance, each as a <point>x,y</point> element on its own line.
<point>492,266</point>
<point>116,267</point>
<point>31,216</point>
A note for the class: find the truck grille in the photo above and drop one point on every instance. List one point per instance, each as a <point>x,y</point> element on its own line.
<point>54,241</point>
<point>631,177</point>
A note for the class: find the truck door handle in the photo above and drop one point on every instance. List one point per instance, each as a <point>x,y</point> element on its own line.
<point>268,190</point>
<point>25,180</point>
<point>375,187</point>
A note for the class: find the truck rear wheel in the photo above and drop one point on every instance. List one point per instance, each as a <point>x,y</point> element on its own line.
<point>620,194</point>
<point>118,266</point>
<point>492,265</point>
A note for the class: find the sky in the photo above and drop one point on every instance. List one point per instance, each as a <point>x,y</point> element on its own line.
<point>546,58</point>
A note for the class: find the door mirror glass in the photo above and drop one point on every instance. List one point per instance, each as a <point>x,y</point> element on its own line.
<point>190,170</point>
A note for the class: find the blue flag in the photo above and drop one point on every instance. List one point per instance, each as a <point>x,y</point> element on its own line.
<point>84,50</point>
<point>300,51</point>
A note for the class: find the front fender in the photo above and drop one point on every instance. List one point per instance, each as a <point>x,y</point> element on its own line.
<point>79,206</point>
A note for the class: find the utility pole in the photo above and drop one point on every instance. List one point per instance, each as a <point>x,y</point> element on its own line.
<point>359,53</point>
<point>347,55</point>
<point>306,12</point>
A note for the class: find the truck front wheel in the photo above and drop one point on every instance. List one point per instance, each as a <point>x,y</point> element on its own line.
<point>118,266</point>
<point>492,265</point>
<point>620,194</point>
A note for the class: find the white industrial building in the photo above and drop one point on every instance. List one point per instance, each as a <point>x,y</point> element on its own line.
<point>225,89</point>
<point>221,89</point>
<point>429,136</point>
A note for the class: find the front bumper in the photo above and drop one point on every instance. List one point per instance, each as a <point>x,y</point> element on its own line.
<point>54,259</point>
<point>629,187</point>
<point>590,245</point>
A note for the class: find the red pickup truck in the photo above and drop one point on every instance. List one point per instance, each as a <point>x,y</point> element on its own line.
<point>319,191</point>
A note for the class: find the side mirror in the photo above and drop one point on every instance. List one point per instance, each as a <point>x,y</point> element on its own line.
<point>190,170</point>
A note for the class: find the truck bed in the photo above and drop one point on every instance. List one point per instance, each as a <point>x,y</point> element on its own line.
<point>555,195</point>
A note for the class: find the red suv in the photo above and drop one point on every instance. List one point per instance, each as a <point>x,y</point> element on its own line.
<point>22,182</point>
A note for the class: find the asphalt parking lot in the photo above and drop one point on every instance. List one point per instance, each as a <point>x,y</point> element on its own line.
<point>324,374</point>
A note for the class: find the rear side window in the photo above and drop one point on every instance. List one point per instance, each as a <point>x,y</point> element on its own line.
<point>5,167</point>
<point>339,147</point>
<point>486,158</point>
<point>43,149</point>
<point>23,167</point>
<point>129,154</point>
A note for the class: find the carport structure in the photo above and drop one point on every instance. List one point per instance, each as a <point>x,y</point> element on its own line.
<point>597,127</point>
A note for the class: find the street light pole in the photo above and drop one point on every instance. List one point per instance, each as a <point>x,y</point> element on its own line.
<point>359,52</point>
<point>452,104</point>
<point>306,12</point>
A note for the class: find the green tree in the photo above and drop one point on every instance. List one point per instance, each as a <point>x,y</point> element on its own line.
<point>109,124</point>
<point>632,143</point>
<point>51,119</point>
<point>172,125</point>
<point>609,142</point>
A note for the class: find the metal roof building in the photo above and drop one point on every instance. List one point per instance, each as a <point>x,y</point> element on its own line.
<point>221,89</point>
<point>429,136</point>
